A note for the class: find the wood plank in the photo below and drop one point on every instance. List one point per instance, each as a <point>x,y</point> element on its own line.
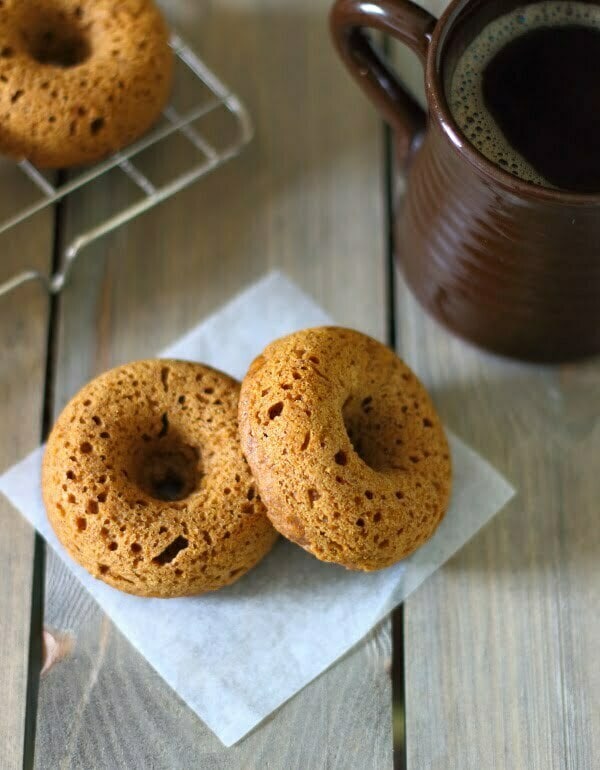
<point>501,644</point>
<point>305,197</point>
<point>23,320</point>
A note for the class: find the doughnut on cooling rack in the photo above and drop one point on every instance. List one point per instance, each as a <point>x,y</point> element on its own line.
<point>199,152</point>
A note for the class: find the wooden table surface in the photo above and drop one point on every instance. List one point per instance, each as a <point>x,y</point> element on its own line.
<point>495,659</point>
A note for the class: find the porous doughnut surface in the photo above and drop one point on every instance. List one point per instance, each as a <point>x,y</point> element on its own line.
<point>79,79</point>
<point>145,484</point>
<point>347,450</point>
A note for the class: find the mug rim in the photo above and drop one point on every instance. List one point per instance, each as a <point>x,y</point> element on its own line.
<point>438,107</point>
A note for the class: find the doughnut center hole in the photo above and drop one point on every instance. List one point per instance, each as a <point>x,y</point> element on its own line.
<point>169,473</point>
<point>57,40</point>
<point>372,432</point>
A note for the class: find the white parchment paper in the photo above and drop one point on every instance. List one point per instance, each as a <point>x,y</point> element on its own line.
<point>236,655</point>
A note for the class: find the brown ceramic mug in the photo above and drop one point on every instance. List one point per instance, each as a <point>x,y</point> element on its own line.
<point>511,266</point>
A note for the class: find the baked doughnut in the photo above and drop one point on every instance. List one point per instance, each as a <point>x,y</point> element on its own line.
<point>79,79</point>
<point>145,484</point>
<point>347,450</point>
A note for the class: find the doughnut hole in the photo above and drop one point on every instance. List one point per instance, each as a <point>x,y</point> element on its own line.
<point>167,468</point>
<point>56,39</point>
<point>373,429</point>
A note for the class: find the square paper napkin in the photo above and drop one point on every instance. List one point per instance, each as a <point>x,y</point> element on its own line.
<point>236,655</point>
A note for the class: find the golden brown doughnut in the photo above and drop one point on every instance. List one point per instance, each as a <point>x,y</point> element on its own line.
<point>347,450</point>
<point>79,79</point>
<point>145,484</point>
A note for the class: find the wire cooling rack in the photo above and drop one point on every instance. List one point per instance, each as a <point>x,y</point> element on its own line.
<point>205,155</point>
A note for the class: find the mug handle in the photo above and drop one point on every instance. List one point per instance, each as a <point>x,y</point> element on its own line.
<point>405,21</point>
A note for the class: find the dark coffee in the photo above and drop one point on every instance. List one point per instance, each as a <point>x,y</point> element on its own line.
<point>527,93</point>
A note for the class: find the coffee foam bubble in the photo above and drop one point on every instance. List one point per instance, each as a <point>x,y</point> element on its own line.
<point>466,100</point>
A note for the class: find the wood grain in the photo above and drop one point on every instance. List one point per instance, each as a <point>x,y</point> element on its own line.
<point>501,644</point>
<point>305,197</point>
<point>501,657</point>
<point>23,320</point>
